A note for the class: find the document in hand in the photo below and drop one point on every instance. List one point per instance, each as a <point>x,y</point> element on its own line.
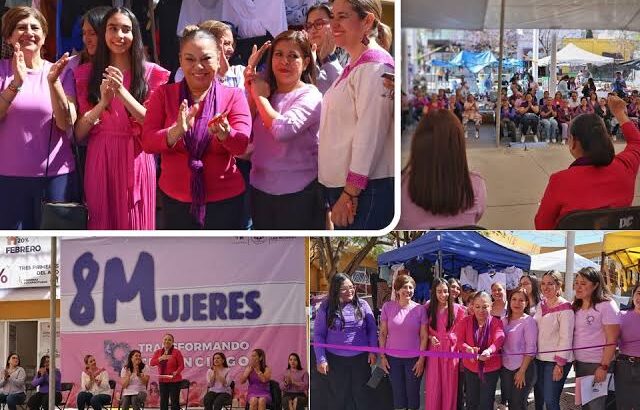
<point>587,391</point>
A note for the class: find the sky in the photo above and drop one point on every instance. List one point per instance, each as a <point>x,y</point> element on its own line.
<point>557,238</point>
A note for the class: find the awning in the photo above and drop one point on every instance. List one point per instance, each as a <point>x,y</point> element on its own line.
<point>574,55</point>
<point>558,261</point>
<point>522,14</point>
<point>474,62</point>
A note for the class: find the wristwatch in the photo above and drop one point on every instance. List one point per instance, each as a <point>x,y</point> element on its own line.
<point>604,367</point>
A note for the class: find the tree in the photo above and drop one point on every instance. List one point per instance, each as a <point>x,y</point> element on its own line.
<point>328,252</point>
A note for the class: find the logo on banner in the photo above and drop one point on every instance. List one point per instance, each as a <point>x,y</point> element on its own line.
<point>198,306</point>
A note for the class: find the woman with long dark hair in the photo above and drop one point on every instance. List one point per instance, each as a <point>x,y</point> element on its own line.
<point>197,126</point>
<point>443,314</point>
<point>403,327</point>
<point>481,334</point>
<point>555,319</point>
<point>218,383</point>
<point>40,399</point>
<point>355,156</point>
<point>12,390</point>
<point>627,372</point>
<point>170,363</point>
<point>257,374</point>
<point>295,385</point>
<point>598,178</point>
<point>284,171</point>
<point>597,322</point>
<point>518,374</point>
<point>120,183</point>
<point>134,377</point>
<point>438,190</point>
<point>455,289</point>
<point>531,284</point>
<point>345,319</point>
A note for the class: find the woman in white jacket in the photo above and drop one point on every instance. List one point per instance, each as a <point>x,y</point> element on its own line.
<point>94,383</point>
<point>555,320</point>
<point>12,378</point>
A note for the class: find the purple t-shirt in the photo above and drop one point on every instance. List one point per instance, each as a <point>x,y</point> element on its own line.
<point>520,336</point>
<point>630,332</point>
<point>403,326</point>
<point>24,131</point>
<point>588,330</point>
<point>351,331</point>
<point>285,157</point>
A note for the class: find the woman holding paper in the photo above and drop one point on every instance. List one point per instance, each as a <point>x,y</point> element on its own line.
<point>170,366</point>
<point>597,322</point>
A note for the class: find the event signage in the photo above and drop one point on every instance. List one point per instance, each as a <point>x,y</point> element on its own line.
<point>25,262</point>
<point>213,294</point>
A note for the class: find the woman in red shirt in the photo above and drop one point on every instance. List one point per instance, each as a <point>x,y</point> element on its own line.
<point>170,365</point>
<point>597,178</point>
<point>197,126</point>
<point>483,335</point>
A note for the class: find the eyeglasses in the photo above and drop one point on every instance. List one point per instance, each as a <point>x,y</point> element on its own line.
<point>317,24</point>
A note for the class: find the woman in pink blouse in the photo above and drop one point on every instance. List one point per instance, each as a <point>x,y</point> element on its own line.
<point>518,373</point>
<point>120,179</point>
<point>295,384</point>
<point>197,126</point>
<point>438,190</point>
<point>284,171</point>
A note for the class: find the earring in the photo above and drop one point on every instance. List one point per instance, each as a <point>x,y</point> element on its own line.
<point>365,40</point>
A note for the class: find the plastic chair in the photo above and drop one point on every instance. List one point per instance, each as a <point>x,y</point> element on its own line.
<point>610,218</point>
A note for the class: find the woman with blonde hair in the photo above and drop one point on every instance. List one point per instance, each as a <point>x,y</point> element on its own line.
<point>403,327</point>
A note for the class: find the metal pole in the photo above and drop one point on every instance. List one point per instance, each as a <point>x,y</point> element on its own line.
<point>553,65</point>
<point>52,323</point>
<point>534,65</point>
<point>569,272</point>
<point>500,57</point>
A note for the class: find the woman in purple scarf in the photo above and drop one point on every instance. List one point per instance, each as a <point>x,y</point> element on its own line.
<point>197,126</point>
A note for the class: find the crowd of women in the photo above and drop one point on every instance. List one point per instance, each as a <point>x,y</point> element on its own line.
<point>440,191</point>
<point>318,135</point>
<point>528,338</point>
<point>96,389</point>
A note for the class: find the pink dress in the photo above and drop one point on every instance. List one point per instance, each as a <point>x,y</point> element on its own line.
<point>441,379</point>
<point>120,178</point>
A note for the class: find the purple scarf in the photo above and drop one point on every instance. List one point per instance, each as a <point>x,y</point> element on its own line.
<point>481,340</point>
<point>197,139</point>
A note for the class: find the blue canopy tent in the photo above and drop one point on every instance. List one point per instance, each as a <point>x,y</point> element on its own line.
<point>441,63</point>
<point>457,249</point>
<point>474,62</point>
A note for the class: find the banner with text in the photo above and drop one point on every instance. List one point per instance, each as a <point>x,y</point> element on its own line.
<point>213,294</point>
<point>25,262</point>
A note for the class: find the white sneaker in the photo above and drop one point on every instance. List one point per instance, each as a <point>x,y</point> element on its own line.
<point>553,141</point>
<point>615,138</point>
<point>477,134</point>
<point>466,134</point>
<point>546,140</point>
<point>564,142</point>
<point>522,139</point>
<point>535,138</point>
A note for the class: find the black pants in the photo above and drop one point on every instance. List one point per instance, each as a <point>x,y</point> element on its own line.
<point>480,395</point>
<point>220,215</point>
<point>627,379</point>
<point>516,397</point>
<point>299,210</point>
<point>588,369</point>
<point>215,401</point>
<point>41,400</point>
<point>169,390</point>
<point>347,378</point>
<point>287,397</point>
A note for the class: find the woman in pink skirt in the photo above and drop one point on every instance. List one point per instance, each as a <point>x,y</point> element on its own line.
<point>120,179</point>
<point>441,381</point>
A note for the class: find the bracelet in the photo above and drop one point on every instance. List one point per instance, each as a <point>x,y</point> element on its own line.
<point>351,197</point>
<point>13,87</point>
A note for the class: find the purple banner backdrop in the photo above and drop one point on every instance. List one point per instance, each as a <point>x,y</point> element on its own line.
<point>213,294</point>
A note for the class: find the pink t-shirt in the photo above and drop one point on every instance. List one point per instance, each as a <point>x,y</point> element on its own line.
<point>415,217</point>
<point>403,326</point>
<point>630,332</point>
<point>520,335</point>
<point>588,330</point>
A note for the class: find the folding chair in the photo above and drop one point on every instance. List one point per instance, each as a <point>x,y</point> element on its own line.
<point>65,387</point>
<point>233,390</point>
<point>182,385</point>
<point>610,218</point>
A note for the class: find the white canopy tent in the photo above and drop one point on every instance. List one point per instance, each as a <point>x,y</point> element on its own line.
<point>574,55</point>
<point>522,14</point>
<point>558,261</point>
